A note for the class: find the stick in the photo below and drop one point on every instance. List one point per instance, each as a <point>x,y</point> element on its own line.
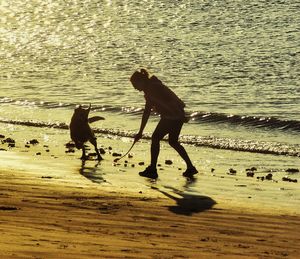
<point>117,159</point>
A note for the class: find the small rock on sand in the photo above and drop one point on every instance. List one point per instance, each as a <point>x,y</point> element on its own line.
<point>250,174</point>
<point>232,171</point>
<point>292,170</point>
<point>33,142</point>
<point>168,162</point>
<point>102,151</point>
<point>269,177</point>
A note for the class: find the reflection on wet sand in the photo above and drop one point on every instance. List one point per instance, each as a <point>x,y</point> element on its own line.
<point>92,173</point>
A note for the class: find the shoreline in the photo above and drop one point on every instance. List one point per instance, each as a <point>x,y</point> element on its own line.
<point>51,203</point>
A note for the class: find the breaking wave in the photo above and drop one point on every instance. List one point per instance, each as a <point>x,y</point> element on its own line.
<point>194,117</point>
<point>208,141</point>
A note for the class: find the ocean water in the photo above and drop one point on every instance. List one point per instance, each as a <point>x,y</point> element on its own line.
<point>234,63</point>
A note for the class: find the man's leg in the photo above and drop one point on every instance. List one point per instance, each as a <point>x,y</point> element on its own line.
<point>173,141</point>
<point>158,134</point>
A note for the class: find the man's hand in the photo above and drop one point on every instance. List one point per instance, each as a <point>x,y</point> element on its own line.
<point>138,136</point>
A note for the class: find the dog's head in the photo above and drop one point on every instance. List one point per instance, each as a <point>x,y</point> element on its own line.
<point>81,114</point>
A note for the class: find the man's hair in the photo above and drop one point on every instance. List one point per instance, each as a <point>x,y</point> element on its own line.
<point>141,75</point>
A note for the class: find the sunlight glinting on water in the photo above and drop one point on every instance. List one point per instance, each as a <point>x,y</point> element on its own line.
<point>231,62</point>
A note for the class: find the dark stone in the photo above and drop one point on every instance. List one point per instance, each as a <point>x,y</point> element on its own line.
<point>70,145</point>
<point>102,151</point>
<point>168,162</point>
<point>287,179</point>
<point>250,174</point>
<point>9,140</point>
<point>292,170</point>
<point>33,142</point>
<point>269,177</point>
<point>2,136</point>
<point>116,154</point>
<point>232,171</point>
<point>141,163</point>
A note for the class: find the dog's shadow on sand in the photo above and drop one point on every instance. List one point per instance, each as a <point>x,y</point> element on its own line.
<point>92,173</point>
<point>186,204</point>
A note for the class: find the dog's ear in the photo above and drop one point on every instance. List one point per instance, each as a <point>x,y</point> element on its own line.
<point>78,107</point>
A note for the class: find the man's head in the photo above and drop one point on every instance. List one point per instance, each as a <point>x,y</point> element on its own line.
<point>139,79</point>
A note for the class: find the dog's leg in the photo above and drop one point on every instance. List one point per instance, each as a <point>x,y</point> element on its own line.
<point>83,157</point>
<point>94,142</point>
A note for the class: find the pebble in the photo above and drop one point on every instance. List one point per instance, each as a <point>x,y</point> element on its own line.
<point>250,174</point>
<point>168,162</point>
<point>232,171</point>
<point>102,151</point>
<point>70,145</point>
<point>269,177</point>
<point>292,170</point>
<point>116,154</point>
<point>260,178</point>
<point>141,163</point>
<point>287,179</point>
<point>33,142</point>
<point>9,140</point>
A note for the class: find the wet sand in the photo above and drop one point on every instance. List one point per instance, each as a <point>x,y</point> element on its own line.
<point>54,206</point>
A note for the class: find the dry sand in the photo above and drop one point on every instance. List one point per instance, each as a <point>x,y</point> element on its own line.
<point>52,207</point>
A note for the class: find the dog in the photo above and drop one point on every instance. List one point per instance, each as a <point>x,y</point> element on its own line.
<point>81,131</point>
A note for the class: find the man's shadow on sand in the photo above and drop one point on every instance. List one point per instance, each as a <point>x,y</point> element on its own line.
<point>186,204</point>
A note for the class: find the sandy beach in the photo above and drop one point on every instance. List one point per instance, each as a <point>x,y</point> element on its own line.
<point>54,206</point>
